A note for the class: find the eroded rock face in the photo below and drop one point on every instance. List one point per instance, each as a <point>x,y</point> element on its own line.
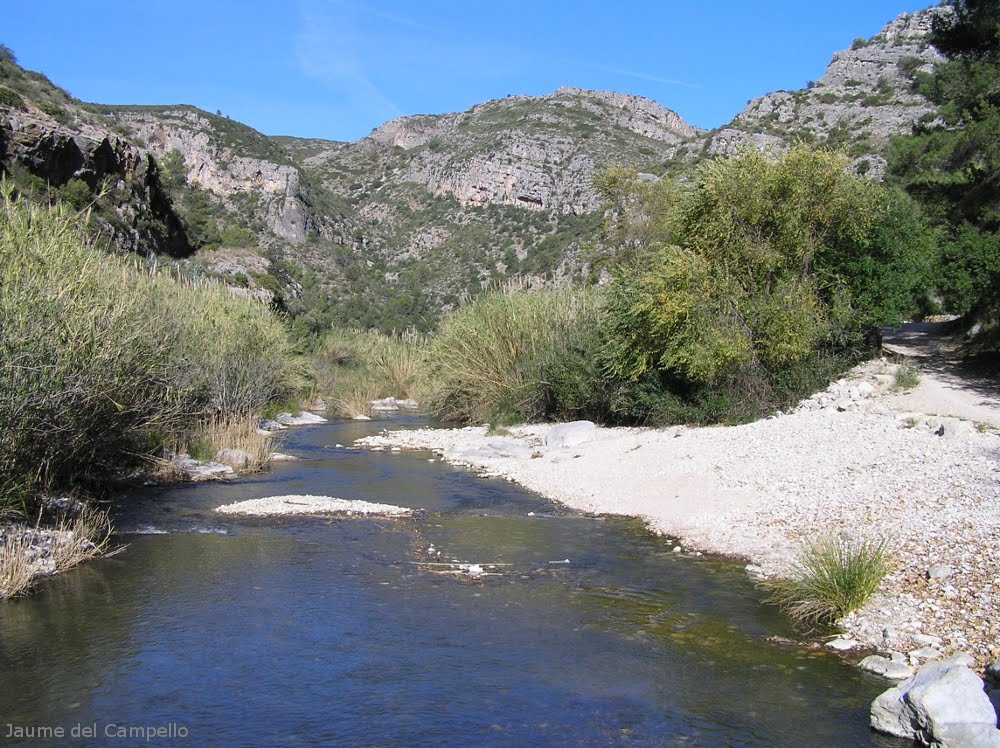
<point>864,96</point>
<point>227,169</point>
<point>57,153</point>
<point>532,152</point>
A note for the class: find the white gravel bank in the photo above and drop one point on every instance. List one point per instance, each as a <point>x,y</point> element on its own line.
<point>756,491</point>
<point>278,505</point>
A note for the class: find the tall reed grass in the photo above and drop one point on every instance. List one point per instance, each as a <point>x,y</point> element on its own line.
<point>354,367</point>
<point>490,359</point>
<point>102,359</point>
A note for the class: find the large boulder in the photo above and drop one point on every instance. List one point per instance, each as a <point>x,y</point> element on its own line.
<point>570,434</point>
<point>943,704</point>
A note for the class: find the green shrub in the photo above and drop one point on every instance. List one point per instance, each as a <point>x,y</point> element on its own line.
<point>760,271</point>
<point>101,359</point>
<point>832,577</point>
<point>12,99</point>
<point>907,376</point>
<point>489,359</point>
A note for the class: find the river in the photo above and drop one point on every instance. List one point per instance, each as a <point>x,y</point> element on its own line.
<point>220,630</point>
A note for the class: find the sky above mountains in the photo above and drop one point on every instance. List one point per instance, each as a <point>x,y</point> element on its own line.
<point>337,69</point>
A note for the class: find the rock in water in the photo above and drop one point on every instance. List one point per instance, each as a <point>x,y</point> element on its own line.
<point>570,434</point>
<point>943,704</point>
<point>305,418</point>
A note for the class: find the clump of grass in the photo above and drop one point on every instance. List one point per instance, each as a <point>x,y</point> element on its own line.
<point>242,435</point>
<point>489,358</point>
<point>355,400</point>
<point>74,539</point>
<point>84,536</point>
<point>907,376</point>
<point>397,362</point>
<point>354,367</point>
<point>16,574</point>
<point>832,576</point>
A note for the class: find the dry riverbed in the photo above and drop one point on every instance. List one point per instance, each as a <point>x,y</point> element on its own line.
<point>845,461</point>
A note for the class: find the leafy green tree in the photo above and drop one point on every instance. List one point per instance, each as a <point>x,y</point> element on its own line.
<point>952,165</point>
<point>760,266</point>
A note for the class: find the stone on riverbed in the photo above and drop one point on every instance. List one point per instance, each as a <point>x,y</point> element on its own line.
<point>894,669</point>
<point>943,703</point>
<point>304,418</point>
<point>199,471</point>
<point>292,504</point>
<point>235,458</point>
<point>570,434</point>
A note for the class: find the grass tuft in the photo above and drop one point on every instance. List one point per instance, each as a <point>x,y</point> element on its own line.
<point>489,359</point>
<point>832,577</point>
<point>907,376</point>
<point>250,449</point>
<point>74,539</point>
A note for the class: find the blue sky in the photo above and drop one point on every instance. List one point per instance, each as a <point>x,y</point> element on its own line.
<point>337,69</point>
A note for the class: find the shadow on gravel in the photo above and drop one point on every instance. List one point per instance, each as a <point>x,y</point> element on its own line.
<point>937,348</point>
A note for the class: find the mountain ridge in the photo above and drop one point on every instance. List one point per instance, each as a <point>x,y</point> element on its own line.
<point>393,228</point>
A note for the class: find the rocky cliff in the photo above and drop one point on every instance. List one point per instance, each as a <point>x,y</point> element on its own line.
<point>863,98</point>
<point>49,144</point>
<point>247,173</point>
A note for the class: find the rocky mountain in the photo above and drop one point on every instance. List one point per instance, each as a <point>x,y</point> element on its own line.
<point>396,227</point>
<point>50,145</point>
<point>863,99</point>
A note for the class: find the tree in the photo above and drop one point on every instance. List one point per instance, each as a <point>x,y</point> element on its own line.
<point>762,264</point>
<point>953,165</point>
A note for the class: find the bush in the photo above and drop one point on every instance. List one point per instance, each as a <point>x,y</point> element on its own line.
<point>101,360</point>
<point>762,270</point>
<point>832,577</point>
<point>489,359</point>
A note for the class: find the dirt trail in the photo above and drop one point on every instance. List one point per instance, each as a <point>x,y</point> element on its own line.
<point>949,385</point>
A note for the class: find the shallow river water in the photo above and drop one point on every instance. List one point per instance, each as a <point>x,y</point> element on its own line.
<point>222,630</point>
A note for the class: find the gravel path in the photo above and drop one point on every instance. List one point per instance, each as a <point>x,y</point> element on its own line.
<point>845,461</point>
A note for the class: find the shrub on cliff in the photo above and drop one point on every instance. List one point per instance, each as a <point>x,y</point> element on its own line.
<point>101,358</point>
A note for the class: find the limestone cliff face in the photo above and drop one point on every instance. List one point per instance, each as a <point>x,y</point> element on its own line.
<point>230,160</point>
<point>862,100</point>
<point>56,153</point>
<point>533,152</point>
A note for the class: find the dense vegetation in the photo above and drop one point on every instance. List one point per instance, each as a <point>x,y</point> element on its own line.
<point>952,165</point>
<point>103,360</point>
<point>728,298</point>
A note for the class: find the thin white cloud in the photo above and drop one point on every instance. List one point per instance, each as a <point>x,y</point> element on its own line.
<point>328,48</point>
<point>632,74</point>
<point>398,20</point>
<point>645,76</point>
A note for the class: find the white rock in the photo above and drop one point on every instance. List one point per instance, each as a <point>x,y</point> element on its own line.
<point>943,703</point>
<point>385,404</point>
<point>235,458</point>
<point>362,417</point>
<point>474,570</point>
<point>302,419</point>
<point>886,667</point>
<point>842,643</point>
<point>939,571</point>
<point>928,640</point>
<point>509,448</point>
<point>570,434</point>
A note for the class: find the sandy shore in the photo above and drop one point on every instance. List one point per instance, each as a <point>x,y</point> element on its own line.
<point>846,461</point>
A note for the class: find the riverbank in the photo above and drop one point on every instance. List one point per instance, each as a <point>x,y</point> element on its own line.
<point>845,461</point>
